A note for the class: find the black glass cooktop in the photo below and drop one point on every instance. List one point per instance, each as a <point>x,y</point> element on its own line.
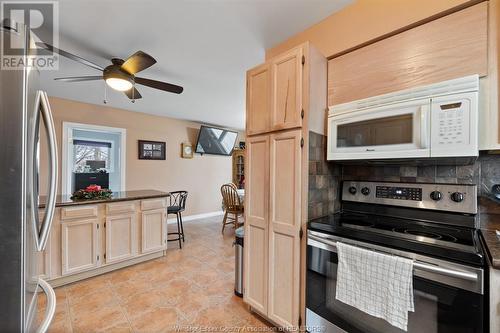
<point>426,236</point>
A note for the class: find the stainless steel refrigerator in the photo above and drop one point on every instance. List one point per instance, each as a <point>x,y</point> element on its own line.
<point>24,116</point>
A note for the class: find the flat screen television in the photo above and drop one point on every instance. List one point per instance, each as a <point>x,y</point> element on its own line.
<point>215,141</point>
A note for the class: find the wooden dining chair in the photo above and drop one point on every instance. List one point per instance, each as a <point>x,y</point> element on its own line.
<point>232,205</point>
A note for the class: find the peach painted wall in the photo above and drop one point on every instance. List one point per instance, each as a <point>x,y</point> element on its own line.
<point>201,176</point>
<point>362,21</point>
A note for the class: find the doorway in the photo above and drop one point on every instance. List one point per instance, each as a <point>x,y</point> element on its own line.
<point>93,154</point>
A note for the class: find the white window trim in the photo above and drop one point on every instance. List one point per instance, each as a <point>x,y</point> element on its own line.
<point>67,145</point>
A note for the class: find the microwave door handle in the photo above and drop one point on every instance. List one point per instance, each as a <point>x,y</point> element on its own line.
<point>424,126</point>
<point>44,107</point>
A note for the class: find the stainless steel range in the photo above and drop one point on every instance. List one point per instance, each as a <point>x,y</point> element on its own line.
<point>433,224</point>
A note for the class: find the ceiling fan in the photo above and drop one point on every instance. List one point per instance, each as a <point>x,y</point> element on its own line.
<point>120,75</point>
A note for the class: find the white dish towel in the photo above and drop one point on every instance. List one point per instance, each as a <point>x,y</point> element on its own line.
<point>376,283</point>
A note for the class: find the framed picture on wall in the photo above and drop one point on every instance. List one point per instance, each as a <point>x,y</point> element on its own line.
<point>187,150</point>
<point>152,150</point>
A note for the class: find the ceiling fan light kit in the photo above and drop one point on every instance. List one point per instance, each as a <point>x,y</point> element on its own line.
<point>117,79</point>
<point>120,75</point>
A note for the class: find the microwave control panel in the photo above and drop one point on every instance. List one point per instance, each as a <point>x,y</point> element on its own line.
<point>452,119</point>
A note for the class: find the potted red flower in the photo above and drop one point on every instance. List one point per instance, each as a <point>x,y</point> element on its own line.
<point>92,192</point>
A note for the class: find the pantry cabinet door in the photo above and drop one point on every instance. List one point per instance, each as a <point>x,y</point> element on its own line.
<point>121,238</point>
<point>284,227</point>
<point>286,95</point>
<point>80,250</point>
<point>258,99</point>
<point>154,235</point>
<point>256,223</point>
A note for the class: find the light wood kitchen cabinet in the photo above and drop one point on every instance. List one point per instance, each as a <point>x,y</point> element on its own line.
<point>276,183</point>
<point>80,245</point>
<point>282,91</point>
<point>449,47</point>
<point>256,222</point>
<point>121,237</point>
<point>273,212</point>
<point>284,227</point>
<point>43,261</point>
<point>258,99</point>
<point>154,235</point>
<point>286,89</point>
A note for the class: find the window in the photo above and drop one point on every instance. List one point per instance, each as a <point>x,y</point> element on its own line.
<point>91,155</point>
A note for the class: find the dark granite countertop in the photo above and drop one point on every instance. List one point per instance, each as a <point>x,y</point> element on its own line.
<point>490,223</point>
<point>65,200</point>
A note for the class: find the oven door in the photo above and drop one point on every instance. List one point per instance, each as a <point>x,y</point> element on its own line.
<point>399,130</point>
<point>447,299</point>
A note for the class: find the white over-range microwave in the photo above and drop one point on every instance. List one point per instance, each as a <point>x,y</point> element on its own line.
<point>433,121</point>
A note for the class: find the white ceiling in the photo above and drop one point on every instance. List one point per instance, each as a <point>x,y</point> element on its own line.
<point>204,45</point>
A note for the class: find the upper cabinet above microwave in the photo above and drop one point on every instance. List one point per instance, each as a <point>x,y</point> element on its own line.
<point>283,91</point>
<point>461,43</point>
<point>439,120</point>
<point>449,47</point>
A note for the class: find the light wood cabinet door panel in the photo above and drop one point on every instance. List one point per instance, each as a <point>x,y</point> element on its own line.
<point>78,212</point>
<point>447,48</point>
<point>121,238</point>
<point>153,231</point>
<point>80,250</point>
<point>256,222</point>
<point>258,99</point>
<point>284,224</point>
<point>286,90</point>
<point>43,261</point>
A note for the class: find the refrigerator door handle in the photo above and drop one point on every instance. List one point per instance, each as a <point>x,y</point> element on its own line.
<point>42,102</point>
<point>51,306</point>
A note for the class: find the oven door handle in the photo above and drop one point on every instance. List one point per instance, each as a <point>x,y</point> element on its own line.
<point>331,246</point>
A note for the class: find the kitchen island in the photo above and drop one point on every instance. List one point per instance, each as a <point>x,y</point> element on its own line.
<point>92,237</point>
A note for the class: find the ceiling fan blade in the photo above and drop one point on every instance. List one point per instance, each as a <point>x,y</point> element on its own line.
<point>69,55</point>
<point>159,85</point>
<point>133,93</point>
<point>137,62</point>
<point>78,78</point>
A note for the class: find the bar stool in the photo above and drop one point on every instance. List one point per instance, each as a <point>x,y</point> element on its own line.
<point>176,206</point>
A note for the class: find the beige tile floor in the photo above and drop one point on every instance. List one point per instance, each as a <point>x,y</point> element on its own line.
<point>190,289</point>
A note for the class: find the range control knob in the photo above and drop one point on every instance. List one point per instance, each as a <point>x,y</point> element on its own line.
<point>365,190</point>
<point>352,190</point>
<point>457,196</point>
<point>436,195</point>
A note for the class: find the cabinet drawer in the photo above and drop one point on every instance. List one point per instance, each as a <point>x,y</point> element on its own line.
<point>78,212</point>
<point>120,208</point>
<point>153,204</point>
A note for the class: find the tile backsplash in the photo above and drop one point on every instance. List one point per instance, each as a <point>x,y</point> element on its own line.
<point>484,172</point>
<point>324,179</point>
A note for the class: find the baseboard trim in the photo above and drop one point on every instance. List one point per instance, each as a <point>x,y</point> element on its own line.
<point>62,280</point>
<point>195,217</point>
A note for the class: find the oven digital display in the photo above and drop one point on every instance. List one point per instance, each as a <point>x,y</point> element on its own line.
<point>400,193</point>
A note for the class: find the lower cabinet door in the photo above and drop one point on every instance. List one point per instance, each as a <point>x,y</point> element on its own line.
<point>284,227</point>
<point>43,262</point>
<point>256,223</point>
<point>154,231</point>
<point>80,250</point>
<point>121,238</point>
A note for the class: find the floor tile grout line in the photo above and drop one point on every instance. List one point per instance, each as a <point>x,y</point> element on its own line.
<point>124,312</point>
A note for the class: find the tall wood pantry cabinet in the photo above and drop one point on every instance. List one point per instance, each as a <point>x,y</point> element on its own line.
<point>286,98</point>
